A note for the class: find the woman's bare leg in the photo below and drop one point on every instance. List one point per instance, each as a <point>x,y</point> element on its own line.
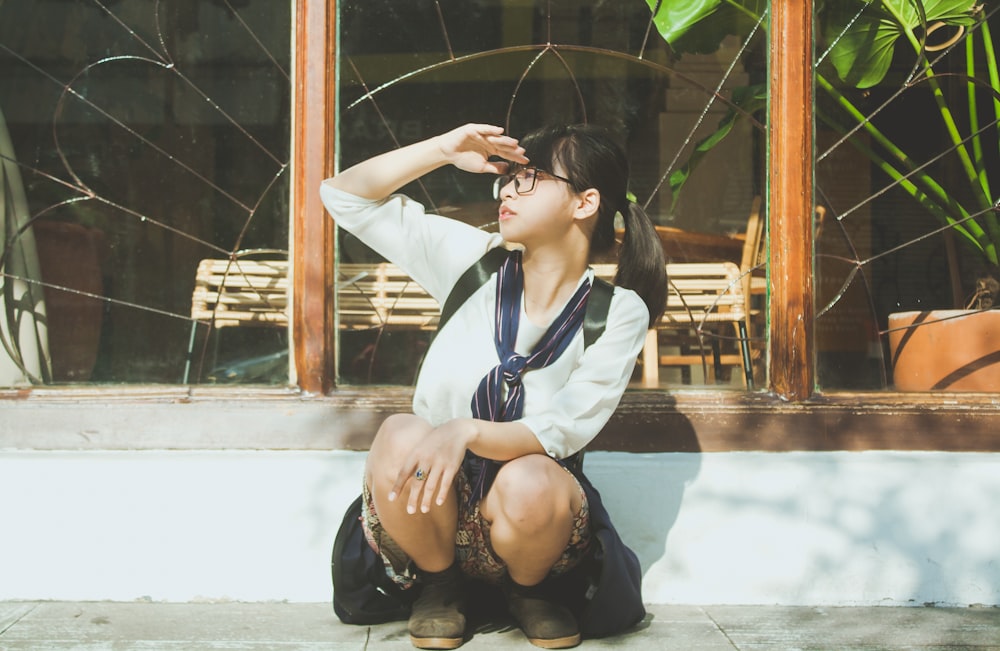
<point>531,507</point>
<point>427,538</point>
<point>437,619</point>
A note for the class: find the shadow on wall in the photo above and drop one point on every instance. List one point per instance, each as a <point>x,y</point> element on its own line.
<point>644,492</point>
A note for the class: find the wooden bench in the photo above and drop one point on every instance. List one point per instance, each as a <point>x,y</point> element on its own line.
<point>380,295</point>
<point>255,293</point>
<point>371,295</point>
<point>241,292</point>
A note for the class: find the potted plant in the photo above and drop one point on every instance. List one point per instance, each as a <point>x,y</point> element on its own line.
<point>50,278</point>
<point>24,345</point>
<point>857,43</point>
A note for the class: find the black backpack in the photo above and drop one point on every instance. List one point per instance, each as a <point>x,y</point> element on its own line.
<point>362,592</point>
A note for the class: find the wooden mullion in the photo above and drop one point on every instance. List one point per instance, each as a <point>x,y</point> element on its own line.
<point>790,200</point>
<point>313,319</point>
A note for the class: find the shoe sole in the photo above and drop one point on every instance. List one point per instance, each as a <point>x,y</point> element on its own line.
<point>556,643</point>
<point>436,642</point>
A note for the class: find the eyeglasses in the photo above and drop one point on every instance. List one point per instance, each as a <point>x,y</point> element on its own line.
<point>524,180</point>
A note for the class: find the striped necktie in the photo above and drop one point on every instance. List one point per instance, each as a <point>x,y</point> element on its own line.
<point>489,402</point>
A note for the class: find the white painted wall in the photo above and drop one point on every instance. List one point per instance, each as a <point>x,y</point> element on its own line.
<point>724,528</point>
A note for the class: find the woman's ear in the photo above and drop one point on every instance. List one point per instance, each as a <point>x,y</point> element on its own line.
<point>588,202</point>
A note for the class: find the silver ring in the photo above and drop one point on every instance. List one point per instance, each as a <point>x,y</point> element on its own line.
<point>420,474</point>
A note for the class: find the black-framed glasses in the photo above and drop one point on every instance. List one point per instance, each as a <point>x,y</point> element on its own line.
<point>524,180</point>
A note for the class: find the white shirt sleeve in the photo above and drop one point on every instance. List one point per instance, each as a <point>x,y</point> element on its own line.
<point>432,249</point>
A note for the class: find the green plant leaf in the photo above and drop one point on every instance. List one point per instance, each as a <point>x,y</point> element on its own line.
<point>863,49</point>
<point>700,26</point>
<point>675,19</point>
<point>952,12</point>
<point>864,43</point>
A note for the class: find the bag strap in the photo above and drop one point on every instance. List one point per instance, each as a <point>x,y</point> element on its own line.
<point>595,319</point>
<point>472,279</point>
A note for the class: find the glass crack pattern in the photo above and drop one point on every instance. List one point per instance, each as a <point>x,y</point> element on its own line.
<point>144,137</point>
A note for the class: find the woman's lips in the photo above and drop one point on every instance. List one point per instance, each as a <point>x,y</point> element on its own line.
<point>505,213</point>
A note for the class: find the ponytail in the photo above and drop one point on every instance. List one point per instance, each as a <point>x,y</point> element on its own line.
<point>641,264</point>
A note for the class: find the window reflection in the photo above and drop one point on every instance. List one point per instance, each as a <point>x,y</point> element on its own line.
<point>145,137</point>
<point>906,178</point>
<point>409,70</point>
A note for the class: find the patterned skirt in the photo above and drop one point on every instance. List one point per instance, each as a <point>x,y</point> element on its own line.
<point>473,549</point>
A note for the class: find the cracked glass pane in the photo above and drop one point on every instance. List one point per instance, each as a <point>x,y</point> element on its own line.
<point>410,70</point>
<point>907,182</point>
<point>143,139</point>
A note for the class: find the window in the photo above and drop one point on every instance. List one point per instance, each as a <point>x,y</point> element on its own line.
<point>145,138</point>
<point>410,71</point>
<point>907,178</point>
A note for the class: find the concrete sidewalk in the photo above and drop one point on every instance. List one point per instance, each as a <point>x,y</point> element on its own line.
<point>142,626</point>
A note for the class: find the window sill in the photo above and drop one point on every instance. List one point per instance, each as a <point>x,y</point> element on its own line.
<point>262,418</point>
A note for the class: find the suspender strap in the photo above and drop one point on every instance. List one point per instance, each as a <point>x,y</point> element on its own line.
<point>595,319</point>
<point>473,278</point>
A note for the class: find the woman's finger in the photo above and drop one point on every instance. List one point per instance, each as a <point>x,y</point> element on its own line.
<point>416,487</point>
<point>407,471</point>
<point>508,148</point>
<point>429,487</point>
<point>486,129</point>
<point>445,486</point>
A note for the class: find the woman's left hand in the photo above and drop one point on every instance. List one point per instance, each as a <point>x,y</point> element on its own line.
<point>438,458</point>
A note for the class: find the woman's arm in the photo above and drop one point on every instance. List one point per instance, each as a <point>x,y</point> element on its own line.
<point>468,147</point>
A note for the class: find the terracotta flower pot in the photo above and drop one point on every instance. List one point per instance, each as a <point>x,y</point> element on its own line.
<point>70,258</point>
<point>945,350</point>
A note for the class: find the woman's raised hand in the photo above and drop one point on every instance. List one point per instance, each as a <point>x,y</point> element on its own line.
<point>471,146</point>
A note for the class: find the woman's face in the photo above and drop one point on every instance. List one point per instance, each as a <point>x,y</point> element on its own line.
<point>535,206</point>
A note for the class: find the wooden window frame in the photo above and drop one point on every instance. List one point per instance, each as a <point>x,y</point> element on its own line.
<point>790,198</point>
<point>790,415</point>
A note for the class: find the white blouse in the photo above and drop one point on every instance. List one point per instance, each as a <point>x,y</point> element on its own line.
<point>566,403</point>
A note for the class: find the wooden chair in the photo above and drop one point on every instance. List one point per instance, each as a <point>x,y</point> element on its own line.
<point>379,294</point>
<point>701,297</point>
<point>242,292</point>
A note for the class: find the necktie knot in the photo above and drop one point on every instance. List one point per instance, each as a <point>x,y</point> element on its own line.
<point>512,367</point>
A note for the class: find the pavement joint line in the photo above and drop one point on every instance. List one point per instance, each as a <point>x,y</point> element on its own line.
<point>16,621</point>
<point>719,628</point>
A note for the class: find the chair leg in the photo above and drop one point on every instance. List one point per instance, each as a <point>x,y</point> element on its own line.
<point>651,360</point>
<point>717,358</point>
<point>190,355</point>
<point>745,349</point>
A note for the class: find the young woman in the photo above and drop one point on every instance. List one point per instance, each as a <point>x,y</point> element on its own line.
<point>474,483</point>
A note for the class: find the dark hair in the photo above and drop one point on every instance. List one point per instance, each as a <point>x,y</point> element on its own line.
<point>591,158</point>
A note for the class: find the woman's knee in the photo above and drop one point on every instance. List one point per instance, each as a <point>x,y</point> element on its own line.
<point>393,441</point>
<point>533,491</point>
